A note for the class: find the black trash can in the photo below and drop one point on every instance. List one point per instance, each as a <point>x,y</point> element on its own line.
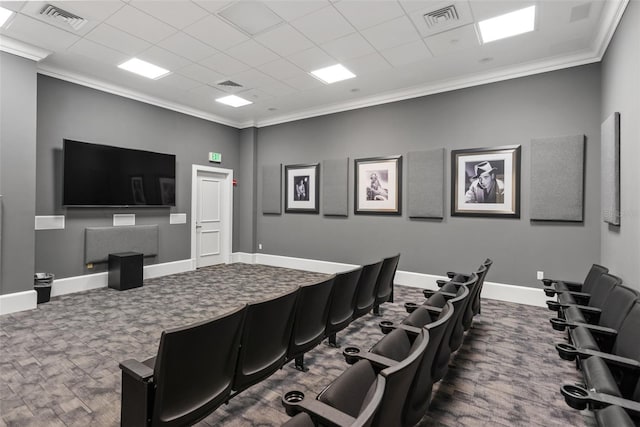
<point>42,284</point>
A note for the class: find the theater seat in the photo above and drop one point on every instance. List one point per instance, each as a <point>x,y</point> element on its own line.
<point>614,416</point>
<point>384,285</point>
<point>552,286</point>
<point>190,377</point>
<point>366,292</point>
<point>592,307</point>
<point>342,303</point>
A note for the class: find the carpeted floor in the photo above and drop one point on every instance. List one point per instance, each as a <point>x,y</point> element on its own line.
<point>59,363</point>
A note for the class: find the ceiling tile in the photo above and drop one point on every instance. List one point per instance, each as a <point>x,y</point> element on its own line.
<point>224,64</point>
<point>453,40</point>
<point>185,45</point>
<point>323,25</point>
<point>252,53</point>
<point>256,95</point>
<point>351,46</point>
<point>177,14</point>
<point>16,6</point>
<point>304,82</point>
<point>93,16</point>
<point>98,52</point>
<point>407,53</point>
<point>391,33</point>
<point>368,64</point>
<point>139,24</point>
<point>281,69</point>
<point>213,5</point>
<point>284,40</point>
<point>200,73</point>
<point>293,9</point>
<point>117,39</point>
<point>279,89</point>
<point>215,32</point>
<point>312,59</point>
<point>179,82</point>
<point>38,33</point>
<point>253,79</point>
<point>462,16</point>
<point>92,10</point>
<point>364,14</point>
<point>252,17</point>
<point>163,58</point>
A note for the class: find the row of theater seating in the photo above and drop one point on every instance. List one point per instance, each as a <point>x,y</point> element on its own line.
<point>391,384</point>
<point>201,366</point>
<point>602,317</point>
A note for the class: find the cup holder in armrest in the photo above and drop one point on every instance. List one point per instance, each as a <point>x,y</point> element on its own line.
<point>428,292</point>
<point>549,292</point>
<point>290,401</point>
<point>441,282</point>
<point>575,396</point>
<point>558,324</point>
<point>450,274</point>
<point>386,326</point>
<point>410,306</point>
<point>566,351</point>
<point>553,305</point>
<point>350,354</point>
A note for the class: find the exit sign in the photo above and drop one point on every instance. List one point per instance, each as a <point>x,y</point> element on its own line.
<point>215,157</point>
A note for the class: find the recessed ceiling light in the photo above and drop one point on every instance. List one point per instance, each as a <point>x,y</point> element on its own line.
<point>234,101</point>
<point>5,14</point>
<point>507,25</point>
<point>332,74</point>
<point>144,68</point>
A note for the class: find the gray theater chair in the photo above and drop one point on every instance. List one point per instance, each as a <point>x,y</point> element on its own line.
<point>188,379</point>
<point>342,304</point>
<point>366,292</point>
<point>384,285</point>
<point>556,286</point>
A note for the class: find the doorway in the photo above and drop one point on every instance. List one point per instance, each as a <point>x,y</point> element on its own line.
<point>211,215</point>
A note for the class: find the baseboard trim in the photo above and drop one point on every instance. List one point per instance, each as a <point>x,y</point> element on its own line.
<point>18,301</point>
<point>490,290</point>
<point>243,257</point>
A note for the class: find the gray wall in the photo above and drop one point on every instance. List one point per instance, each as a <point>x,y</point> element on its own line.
<point>67,110</point>
<point>245,227</point>
<point>565,102</point>
<point>621,92</point>
<point>17,171</point>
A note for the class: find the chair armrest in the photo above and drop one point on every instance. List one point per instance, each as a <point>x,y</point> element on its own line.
<point>447,295</point>
<point>452,274</point>
<point>598,330</point>
<point>610,359</point>
<point>432,309</point>
<point>588,309</point>
<point>413,330</point>
<point>578,397</point>
<point>137,370</point>
<point>572,286</point>
<point>377,360</point>
<point>328,415</point>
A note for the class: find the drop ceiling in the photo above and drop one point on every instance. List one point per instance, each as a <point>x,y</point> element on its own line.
<point>268,48</point>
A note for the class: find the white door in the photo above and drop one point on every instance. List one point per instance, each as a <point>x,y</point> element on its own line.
<point>212,226</point>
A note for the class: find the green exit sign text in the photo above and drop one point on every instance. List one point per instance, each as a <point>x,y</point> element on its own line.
<point>215,157</point>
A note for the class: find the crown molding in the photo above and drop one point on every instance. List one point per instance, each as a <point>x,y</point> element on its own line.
<point>612,15</point>
<point>102,86</point>
<point>25,50</point>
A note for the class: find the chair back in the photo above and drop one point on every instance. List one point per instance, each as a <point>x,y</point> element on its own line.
<point>342,301</point>
<point>619,302</point>
<point>366,291</point>
<point>592,277</point>
<point>443,353</point>
<point>310,321</point>
<point>384,284</point>
<point>265,339</point>
<point>474,297</point>
<point>475,302</point>
<point>457,335</point>
<point>602,289</point>
<point>194,369</point>
<point>419,396</point>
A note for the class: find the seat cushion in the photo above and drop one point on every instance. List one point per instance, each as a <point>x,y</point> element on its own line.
<point>598,376</point>
<point>574,315</point>
<point>582,338</point>
<point>614,416</point>
<point>350,390</point>
<point>300,420</point>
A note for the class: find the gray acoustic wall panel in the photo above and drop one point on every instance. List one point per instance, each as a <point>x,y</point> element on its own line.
<point>425,183</point>
<point>102,241</point>
<point>335,187</point>
<point>610,169</point>
<point>557,178</point>
<point>272,189</point>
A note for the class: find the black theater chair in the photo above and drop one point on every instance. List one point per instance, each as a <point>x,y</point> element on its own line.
<point>614,416</point>
<point>463,277</point>
<point>579,297</point>
<point>343,400</point>
<point>188,379</point>
<point>342,303</point>
<point>474,294</point>
<point>265,339</point>
<point>310,321</point>
<point>553,286</point>
<point>610,378</point>
<point>384,285</point>
<point>599,335</point>
<point>590,309</point>
<point>366,292</point>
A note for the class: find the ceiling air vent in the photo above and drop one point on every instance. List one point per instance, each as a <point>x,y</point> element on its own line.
<point>229,83</point>
<point>441,16</point>
<point>74,21</point>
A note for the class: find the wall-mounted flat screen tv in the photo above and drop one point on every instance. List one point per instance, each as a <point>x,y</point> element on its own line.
<point>102,175</point>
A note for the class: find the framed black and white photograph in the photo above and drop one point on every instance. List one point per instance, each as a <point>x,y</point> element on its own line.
<point>485,182</point>
<point>137,189</point>
<point>378,185</point>
<point>302,188</point>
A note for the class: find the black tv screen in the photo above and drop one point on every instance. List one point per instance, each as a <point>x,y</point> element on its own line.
<point>101,175</point>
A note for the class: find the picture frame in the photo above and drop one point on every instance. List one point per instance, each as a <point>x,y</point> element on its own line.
<point>485,182</point>
<point>137,190</point>
<point>302,188</point>
<point>378,186</point>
